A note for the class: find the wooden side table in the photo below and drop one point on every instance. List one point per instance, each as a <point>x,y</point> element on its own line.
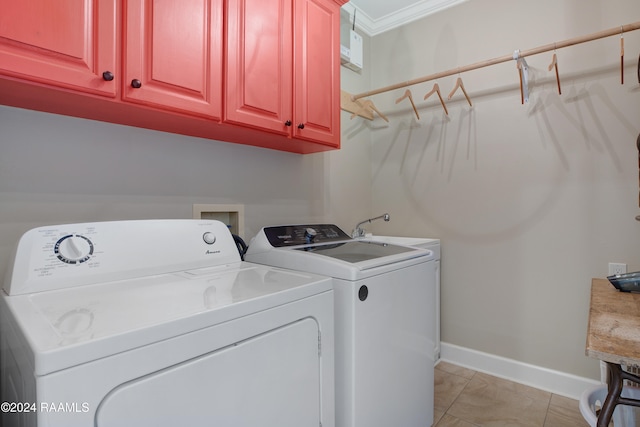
<point>613,336</point>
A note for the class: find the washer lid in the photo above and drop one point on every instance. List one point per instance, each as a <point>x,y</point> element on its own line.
<point>68,327</point>
<point>356,252</point>
<point>325,249</point>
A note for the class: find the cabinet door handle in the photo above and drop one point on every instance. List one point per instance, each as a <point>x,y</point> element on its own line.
<point>136,84</point>
<point>287,123</point>
<point>301,126</point>
<point>108,76</point>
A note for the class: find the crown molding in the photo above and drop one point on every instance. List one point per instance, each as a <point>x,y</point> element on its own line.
<point>420,9</point>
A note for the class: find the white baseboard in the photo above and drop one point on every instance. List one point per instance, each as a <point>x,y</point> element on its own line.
<point>557,382</point>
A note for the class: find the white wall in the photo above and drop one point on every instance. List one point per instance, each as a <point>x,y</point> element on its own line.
<point>348,171</point>
<point>56,169</point>
<point>530,201</point>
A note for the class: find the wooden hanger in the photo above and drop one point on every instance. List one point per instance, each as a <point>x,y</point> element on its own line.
<point>460,85</point>
<point>436,89</point>
<point>621,56</point>
<point>519,66</point>
<point>368,105</point>
<point>407,94</point>
<point>554,64</point>
<point>523,69</point>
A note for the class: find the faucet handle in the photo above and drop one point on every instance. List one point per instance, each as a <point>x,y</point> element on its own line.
<point>358,232</point>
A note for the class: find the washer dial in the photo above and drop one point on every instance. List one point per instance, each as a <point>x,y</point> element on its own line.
<point>73,249</point>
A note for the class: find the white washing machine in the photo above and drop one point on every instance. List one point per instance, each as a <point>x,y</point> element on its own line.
<point>385,328</point>
<point>434,246</point>
<point>159,323</point>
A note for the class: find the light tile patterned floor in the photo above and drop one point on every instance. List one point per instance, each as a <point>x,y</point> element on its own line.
<point>466,398</point>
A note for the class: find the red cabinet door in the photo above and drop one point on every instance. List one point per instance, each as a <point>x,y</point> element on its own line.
<point>258,90</point>
<point>173,55</point>
<point>68,43</point>
<point>317,71</point>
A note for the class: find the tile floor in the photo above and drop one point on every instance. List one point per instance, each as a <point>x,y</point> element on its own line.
<point>466,398</point>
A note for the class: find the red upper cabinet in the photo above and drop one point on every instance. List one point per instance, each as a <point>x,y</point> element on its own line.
<point>173,55</point>
<point>258,72</point>
<point>69,44</point>
<point>317,71</point>
<point>282,72</point>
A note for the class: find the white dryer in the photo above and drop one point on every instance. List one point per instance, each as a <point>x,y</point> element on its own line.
<point>385,323</point>
<point>159,323</point>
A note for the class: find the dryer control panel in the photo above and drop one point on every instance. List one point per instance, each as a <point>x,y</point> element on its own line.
<point>67,255</point>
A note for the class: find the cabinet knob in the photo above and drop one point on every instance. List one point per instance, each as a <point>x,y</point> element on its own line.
<point>301,126</point>
<point>107,75</point>
<point>287,123</point>
<point>136,84</point>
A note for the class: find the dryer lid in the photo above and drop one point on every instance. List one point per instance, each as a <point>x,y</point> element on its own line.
<point>68,327</point>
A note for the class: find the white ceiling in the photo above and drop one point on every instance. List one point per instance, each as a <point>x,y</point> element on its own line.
<point>377,16</point>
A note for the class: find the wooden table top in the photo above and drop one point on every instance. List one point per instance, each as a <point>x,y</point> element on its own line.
<point>613,334</point>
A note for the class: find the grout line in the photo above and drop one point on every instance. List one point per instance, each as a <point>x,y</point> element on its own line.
<point>466,384</point>
<point>546,414</point>
<point>467,381</point>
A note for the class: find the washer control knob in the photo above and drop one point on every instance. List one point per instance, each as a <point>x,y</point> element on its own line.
<point>309,235</point>
<point>73,249</point>
<point>209,238</point>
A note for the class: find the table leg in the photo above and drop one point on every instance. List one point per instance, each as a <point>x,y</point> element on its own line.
<point>613,395</point>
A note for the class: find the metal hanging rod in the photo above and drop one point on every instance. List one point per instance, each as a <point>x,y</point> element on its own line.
<point>541,49</point>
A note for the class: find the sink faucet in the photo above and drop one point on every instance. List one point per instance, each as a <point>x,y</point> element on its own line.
<point>359,232</point>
